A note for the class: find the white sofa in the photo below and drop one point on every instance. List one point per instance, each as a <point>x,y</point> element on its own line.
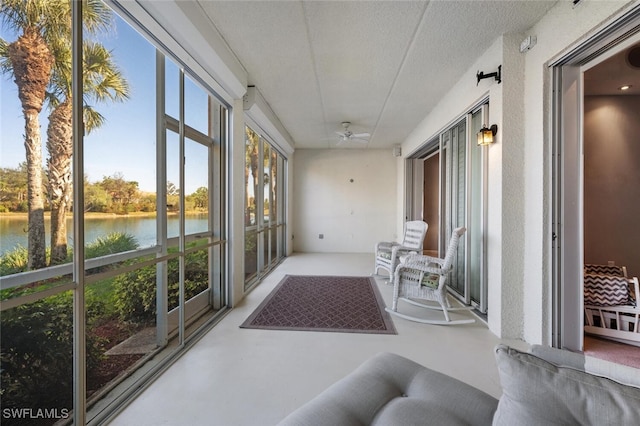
<point>543,387</point>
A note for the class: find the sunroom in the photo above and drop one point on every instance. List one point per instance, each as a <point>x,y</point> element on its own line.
<point>220,161</point>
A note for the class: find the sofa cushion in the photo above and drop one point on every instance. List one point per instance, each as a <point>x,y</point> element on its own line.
<point>537,392</point>
<point>392,390</point>
<point>384,254</point>
<point>428,280</point>
<point>624,374</point>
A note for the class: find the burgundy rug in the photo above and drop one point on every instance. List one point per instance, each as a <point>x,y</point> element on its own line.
<point>323,303</point>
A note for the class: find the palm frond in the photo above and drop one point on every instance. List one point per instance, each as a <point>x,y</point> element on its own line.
<point>96,17</point>
<point>92,118</point>
<point>53,99</point>
<point>5,64</point>
<point>61,75</point>
<point>103,80</point>
<point>52,18</point>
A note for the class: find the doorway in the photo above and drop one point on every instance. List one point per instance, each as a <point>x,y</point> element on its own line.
<point>431,203</point>
<point>596,177</point>
<point>446,187</point>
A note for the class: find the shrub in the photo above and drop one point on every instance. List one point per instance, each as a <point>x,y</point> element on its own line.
<point>22,207</point>
<point>37,338</point>
<point>14,261</point>
<point>37,354</point>
<point>135,292</point>
<point>115,242</point>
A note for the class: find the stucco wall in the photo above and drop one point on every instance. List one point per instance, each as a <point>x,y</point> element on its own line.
<point>518,234</point>
<point>505,306</point>
<point>560,31</point>
<point>348,195</point>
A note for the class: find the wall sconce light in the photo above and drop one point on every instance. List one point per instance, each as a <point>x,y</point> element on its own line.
<point>486,135</point>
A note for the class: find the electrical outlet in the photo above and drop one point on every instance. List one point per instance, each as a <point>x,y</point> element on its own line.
<point>611,262</point>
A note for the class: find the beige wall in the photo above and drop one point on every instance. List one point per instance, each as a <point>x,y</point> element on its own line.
<point>348,195</point>
<point>612,181</point>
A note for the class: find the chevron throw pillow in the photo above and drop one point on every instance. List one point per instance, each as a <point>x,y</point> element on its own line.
<point>605,290</point>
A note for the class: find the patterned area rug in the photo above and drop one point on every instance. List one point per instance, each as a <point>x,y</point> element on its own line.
<point>323,303</point>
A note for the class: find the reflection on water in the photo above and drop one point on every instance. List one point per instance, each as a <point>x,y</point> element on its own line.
<point>13,230</point>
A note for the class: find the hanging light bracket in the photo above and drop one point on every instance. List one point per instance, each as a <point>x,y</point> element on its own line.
<point>497,75</point>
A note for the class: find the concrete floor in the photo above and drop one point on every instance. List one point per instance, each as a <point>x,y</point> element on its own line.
<point>246,377</point>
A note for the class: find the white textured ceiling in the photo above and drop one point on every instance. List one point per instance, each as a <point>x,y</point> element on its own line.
<point>383,65</point>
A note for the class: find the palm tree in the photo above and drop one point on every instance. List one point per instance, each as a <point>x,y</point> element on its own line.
<point>42,26</point>
<point>102,82</point>
<point>30,61</point>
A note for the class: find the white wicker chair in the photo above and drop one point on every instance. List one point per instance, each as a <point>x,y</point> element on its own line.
<point>388,253</point>
<point>425,278</point>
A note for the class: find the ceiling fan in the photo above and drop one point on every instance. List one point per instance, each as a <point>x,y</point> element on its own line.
<point>347,135</point>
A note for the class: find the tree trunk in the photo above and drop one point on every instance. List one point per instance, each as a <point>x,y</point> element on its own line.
<point>33,146</point>
<point>254,173</point>
<point>60,147</point>
<point>247,213</point>
<point>32,62</point>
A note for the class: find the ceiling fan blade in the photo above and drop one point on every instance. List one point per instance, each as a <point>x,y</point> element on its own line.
<point>360,135</point>
<point>359,140</point>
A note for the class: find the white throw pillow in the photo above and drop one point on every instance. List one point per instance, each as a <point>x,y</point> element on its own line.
<point>537,392</point>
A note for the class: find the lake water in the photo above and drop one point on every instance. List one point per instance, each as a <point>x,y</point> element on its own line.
<point>13,230</point>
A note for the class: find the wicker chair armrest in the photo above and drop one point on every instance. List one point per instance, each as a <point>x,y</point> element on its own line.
<point>386,245</point>
<point>425,260</point>
<point>419,263</point>
<point>431,259</point>
<point>402,249</point>
<point>397,253</point>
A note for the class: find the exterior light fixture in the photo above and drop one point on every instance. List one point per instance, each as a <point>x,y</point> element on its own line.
<point>625,87</point>
<point>486,135</point>
<point>480,75</point>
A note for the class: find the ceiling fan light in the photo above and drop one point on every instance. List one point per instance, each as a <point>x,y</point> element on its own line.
<point>348,136</point>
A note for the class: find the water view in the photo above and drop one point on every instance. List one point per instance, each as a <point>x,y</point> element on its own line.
<point>13,229</point>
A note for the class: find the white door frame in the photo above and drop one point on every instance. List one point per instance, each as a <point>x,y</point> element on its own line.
<point>568,177</point>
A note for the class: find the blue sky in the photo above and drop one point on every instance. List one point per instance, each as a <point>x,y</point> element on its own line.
<point>126,143</point>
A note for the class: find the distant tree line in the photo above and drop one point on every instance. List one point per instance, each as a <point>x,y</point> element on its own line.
<point>112,194</point>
